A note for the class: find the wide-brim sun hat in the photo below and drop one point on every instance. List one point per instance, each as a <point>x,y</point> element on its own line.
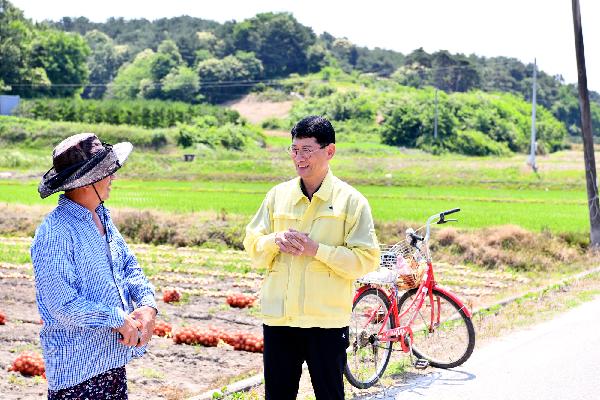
<point>82,160</point>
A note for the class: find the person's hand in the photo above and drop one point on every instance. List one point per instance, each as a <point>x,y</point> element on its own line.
<point>309,246</point>
<point>289,242</point>
<point>129,331</point>
<point>146,316</point>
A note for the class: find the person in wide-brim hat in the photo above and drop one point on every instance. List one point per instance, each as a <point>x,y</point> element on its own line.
<point>97,306</point>
<point>82,160</point>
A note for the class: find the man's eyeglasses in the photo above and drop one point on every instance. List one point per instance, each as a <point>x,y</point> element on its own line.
<point>305,152</point>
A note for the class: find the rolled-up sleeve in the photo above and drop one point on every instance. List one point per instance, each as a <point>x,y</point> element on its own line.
<point>360,253</point>
<point>55,280</point>
<point>260,238</point>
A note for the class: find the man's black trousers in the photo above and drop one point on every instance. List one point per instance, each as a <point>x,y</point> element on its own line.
<point>324,351</point>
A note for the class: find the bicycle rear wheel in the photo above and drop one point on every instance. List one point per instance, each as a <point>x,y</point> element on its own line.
<point>367,357</point>
<point>447,343</point>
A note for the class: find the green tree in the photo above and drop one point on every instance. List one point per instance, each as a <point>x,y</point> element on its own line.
<point>225,78</point>
<point>279,41</point>
<point>502,74</point>
<point>15,33</point>
<point>566,109</point>
<point>103,63</point>
<point>473,123</point>
<point>166,59</point>
<point>445,71</point>
<point>419,57</point>
<point>338,107</point>
<point>317,56</point>
<point>378,61</point>
<point>132,77</point>
<point>414,75</point>
<point>409,119</point>
<point>454,73</point>
<point>17,75</point>
<point>252,68</point>
<point>63,56</point>
<point>346,52</point>
<point>181,84</point>
<point>209,43</point>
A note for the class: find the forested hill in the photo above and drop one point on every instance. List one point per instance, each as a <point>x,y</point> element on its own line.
<point>193,60</point>
<point>449,72</point>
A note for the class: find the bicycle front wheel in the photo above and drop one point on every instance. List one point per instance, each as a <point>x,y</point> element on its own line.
<point>367,357</point>
<point>446,337</point>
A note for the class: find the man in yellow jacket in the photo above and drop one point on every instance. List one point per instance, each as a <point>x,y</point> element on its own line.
<point>314,234</point>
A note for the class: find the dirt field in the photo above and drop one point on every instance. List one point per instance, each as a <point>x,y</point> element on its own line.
<point>257,111</point>
<point>168,370</point>
<point>206,276</point>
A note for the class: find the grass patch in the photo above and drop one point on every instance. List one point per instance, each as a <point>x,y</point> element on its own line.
<point>25,347</point>
<point>15,379</point>
<point>582,297</point>
<point>507,246</point>
<point>535,307</point>
<point>250,395</point>
<point>536,210</point>
<point>15,253</point>
<point>151,373</point>
<point>223,383</point>
<point>363,162</point>
<point>398,367</point>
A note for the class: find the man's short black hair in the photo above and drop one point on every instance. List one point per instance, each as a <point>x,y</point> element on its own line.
<point>314,126</point>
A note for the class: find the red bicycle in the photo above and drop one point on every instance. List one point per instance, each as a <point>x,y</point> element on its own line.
<point>429,322</point>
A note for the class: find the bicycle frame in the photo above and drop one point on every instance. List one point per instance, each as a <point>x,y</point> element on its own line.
<point>398,334</point>
<point>382,313</point>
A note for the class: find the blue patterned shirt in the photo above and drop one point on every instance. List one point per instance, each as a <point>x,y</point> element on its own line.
<point>80,297</point>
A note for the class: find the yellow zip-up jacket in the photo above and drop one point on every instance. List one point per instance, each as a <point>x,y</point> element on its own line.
<point>317,291</point>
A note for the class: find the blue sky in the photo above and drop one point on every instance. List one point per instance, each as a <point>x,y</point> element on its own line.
<point>523,29</point>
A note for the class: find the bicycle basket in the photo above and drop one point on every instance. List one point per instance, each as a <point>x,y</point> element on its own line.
<point>407,261</point>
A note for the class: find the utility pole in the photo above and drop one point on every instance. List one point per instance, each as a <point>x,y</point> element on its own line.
<point>533,104</point>
<point>435,121</point>
<point>586,131</point>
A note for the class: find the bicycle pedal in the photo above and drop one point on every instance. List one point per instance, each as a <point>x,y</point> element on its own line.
<point>421,363</point>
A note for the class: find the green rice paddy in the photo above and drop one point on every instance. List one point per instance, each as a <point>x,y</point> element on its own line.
<point>535,209</point>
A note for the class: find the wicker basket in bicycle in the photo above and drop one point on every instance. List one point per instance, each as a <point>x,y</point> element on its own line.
<point>400,263</point>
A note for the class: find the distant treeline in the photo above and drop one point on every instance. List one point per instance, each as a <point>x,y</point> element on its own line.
<point>475,123</point>
<point>193,60</point>
<point>146,113</point>
<point>203,132</point>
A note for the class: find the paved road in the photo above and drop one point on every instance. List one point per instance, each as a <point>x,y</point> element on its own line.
<point>556,360</point>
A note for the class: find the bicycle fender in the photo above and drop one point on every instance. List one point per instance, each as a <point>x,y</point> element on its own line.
<point>456,300</point>
<point>360,291</point>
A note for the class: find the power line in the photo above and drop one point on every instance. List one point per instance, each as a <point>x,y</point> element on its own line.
<point>246,82</point>
<point>273,82</point>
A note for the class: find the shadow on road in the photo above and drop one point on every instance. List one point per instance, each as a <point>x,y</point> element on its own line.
<point>418,384</point>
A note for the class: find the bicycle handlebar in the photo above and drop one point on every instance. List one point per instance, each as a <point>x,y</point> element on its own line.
<point>443,214</point>
<point>454,210</point>
<point>442,220</point>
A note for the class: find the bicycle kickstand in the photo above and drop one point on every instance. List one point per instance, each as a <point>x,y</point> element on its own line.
<point>417,363</point>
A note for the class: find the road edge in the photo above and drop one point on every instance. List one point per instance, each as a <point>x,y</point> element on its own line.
<point>253,381</point>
